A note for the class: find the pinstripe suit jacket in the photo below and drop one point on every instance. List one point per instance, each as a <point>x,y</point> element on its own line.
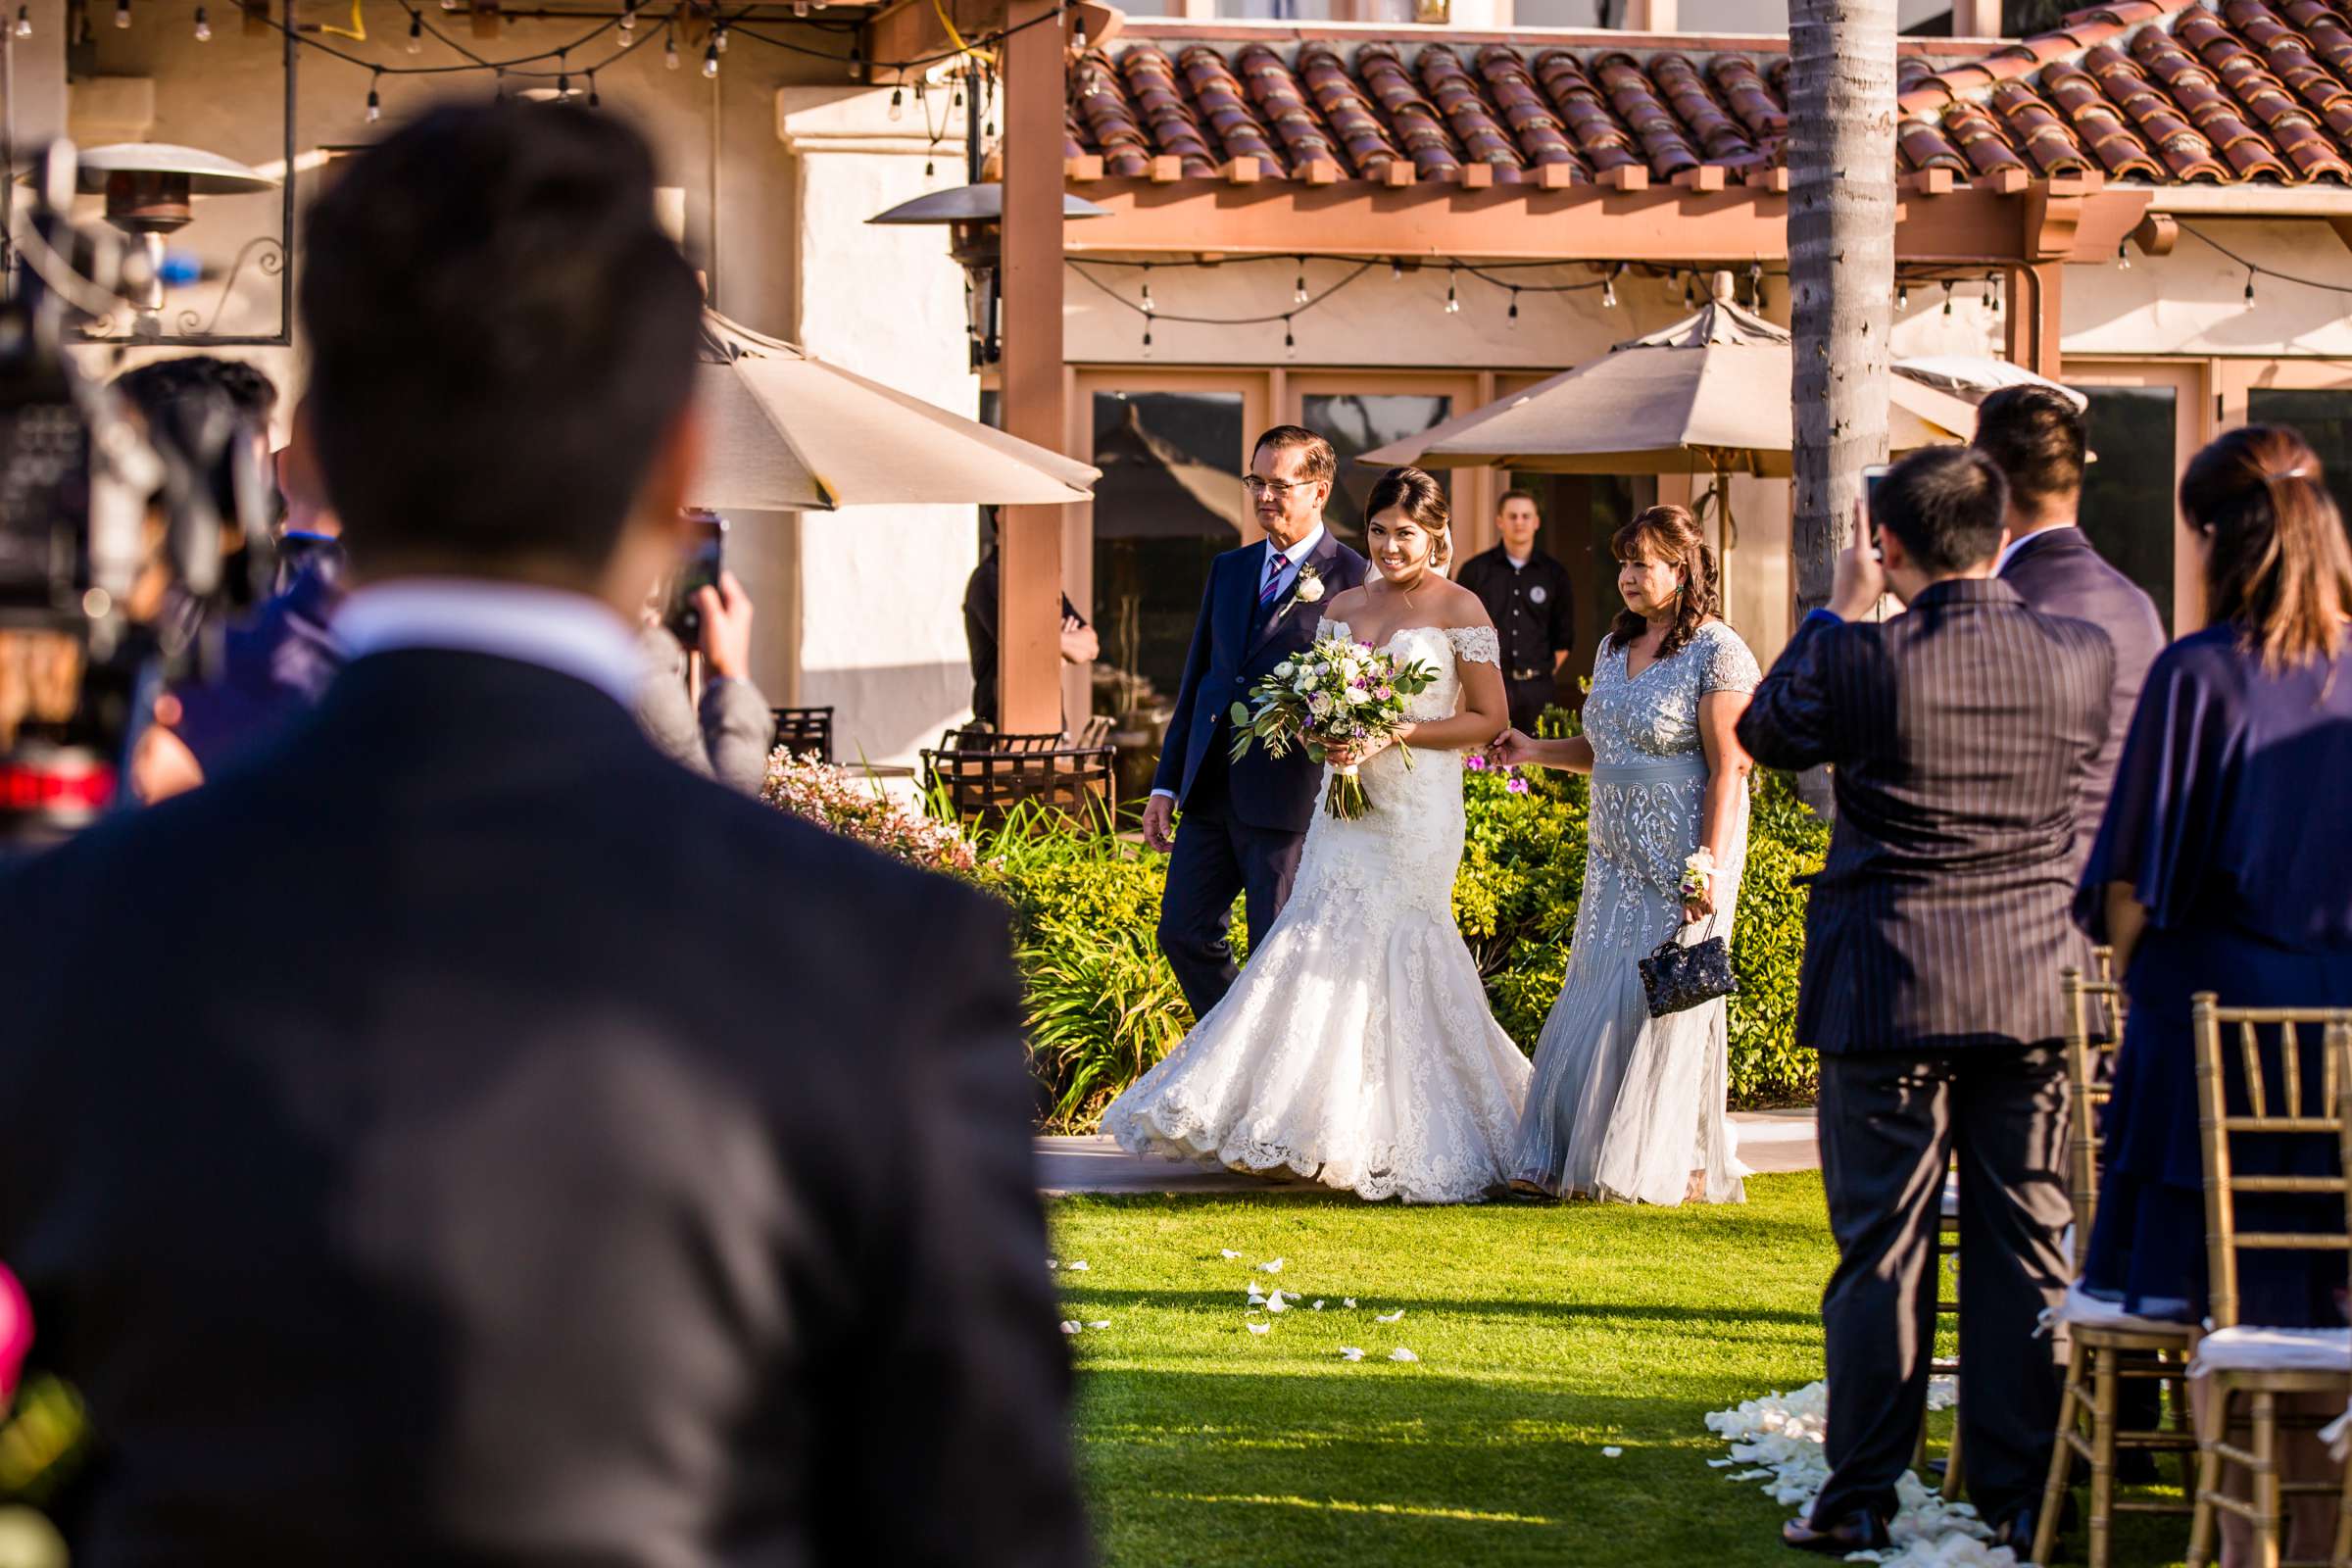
<point>1960,735</point>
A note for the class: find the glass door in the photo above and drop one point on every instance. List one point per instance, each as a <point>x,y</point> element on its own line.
<point>2146,420</point>
<point>1358,411</point>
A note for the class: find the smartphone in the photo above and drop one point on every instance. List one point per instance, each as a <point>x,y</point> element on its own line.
<point>706,558</point>
<point>1872,474</point>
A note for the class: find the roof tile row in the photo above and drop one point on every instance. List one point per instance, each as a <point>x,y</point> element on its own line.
<point>2168,91</point>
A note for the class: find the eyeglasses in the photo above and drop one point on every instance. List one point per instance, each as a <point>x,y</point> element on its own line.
<point>1277,488</point>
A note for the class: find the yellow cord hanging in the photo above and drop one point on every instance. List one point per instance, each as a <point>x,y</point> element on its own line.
<point>357,31</point>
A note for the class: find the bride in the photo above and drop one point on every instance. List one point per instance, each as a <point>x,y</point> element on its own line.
<point>1356,1049</point>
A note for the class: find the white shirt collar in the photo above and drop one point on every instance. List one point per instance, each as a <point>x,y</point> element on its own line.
<point>1517,565</point>
<point>566,632</point>
<point>1300,550</point>
<point>2000,562</point>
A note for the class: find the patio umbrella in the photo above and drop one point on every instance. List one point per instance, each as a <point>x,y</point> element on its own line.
<point>1976,379</point>
<point>790,432</point>
<point>1710,391</point>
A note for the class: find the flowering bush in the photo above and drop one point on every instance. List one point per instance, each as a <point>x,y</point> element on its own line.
<point>832,797</point>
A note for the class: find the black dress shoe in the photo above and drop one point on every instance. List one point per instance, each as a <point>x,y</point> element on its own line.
<point>2016,1531</point>
<point>1859,1530</point>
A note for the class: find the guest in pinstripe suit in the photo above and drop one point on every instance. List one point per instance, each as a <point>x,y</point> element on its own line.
<point>1960,735</point>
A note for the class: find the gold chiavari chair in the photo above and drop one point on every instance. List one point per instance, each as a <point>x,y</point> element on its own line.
<point>2104,1350</point>
<point>2246,1362</point>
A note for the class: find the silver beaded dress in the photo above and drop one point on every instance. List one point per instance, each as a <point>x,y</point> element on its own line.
<point>1624,1105</point>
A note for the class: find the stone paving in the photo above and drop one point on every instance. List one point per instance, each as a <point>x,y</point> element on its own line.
<point>1770,1142</point>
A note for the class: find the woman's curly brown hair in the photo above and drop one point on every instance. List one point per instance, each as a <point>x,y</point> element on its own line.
<point>1670,534</point>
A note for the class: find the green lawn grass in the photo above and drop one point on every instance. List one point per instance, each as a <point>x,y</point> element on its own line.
<point>1545,1335</point>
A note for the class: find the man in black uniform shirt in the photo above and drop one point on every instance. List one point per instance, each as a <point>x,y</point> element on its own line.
<point>1527,593</point>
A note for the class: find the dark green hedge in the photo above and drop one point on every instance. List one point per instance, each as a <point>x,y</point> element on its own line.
<point>1103,1006</point>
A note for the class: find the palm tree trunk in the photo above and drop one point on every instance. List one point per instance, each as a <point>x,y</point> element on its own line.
<point>1840,276</point>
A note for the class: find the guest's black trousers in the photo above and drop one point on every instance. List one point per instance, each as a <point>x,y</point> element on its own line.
<point>1890,1125</point>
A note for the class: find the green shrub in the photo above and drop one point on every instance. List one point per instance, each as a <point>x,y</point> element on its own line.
<point>1103,1007</point>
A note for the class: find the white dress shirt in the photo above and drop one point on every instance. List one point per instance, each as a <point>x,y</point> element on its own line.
<point>2000,562</point>
<point>1294,558</point>
<point>566,632</point>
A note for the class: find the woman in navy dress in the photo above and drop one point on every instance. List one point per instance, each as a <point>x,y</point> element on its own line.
<point>2221,867</point>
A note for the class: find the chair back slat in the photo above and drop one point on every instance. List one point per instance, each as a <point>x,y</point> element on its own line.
<point>803,731</point>
<point>1080,783</point>
<point>2094,1025</point>
<point>2219,1127</point>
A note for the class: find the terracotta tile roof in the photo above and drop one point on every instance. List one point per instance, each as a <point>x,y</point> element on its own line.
<point>2168,91</point>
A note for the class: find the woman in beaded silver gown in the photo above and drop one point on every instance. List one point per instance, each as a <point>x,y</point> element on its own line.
<point>1624,1105</point>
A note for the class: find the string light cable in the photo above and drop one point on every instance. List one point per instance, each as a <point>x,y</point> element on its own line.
<point>2255,269</point>
<point>1149,312</point>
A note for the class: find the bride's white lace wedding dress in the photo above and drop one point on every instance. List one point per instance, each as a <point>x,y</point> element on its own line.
<point>1356,1049</point>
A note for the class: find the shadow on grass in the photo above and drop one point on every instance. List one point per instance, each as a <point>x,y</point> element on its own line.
<point>1730,1314</point>
<point>1394,1464</point>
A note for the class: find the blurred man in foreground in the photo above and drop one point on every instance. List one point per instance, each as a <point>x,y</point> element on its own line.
<point>572,1177</point>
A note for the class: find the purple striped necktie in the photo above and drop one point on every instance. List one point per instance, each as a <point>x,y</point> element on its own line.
<point>1275,561</point>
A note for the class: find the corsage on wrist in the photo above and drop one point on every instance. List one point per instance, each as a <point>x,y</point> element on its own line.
<point>1698,872</point>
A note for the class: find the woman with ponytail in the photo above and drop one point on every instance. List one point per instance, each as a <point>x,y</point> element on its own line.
<point>2222,866</point>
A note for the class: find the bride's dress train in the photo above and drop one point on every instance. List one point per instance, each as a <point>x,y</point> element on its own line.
<point>1356,1048</point>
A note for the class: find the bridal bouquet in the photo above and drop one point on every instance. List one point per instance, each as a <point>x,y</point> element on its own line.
<point>1337,692</point>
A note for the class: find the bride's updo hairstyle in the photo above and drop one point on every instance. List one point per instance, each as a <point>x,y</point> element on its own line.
<point>1670,534</point>
<point>1422,500</point>
<point>2276,564</point>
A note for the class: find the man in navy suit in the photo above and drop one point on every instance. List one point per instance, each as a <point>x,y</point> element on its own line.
<point>1959,734</point>
<point>1245,822</point>
<point>2037,435</point>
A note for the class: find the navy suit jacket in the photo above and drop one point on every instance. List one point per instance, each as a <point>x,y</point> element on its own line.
<point>2060,572</point>
<point>1234,645</point>
<point>1959,734</point>
<point>512,1149</point>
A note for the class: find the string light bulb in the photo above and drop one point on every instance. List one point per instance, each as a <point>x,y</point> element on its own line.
<point>711,59</point>
<point>204,26</point>
<point>1948,296</point>
<point>1902,296</point>
<point>563,87</point>
<point>24,21</point>
<point>595,99</point>
<point>2250,285</point>
<point>1608,292</point>
<point>1289,342</point>
<point>897,105</point>
<point>1690,291</point>
<point>1078,34</point>
<point>122,12</point>
<point>858,70</point>
<point>2123,255</point>
<point>415,44</point>
<point>375,99</point>
<point>1147,337</point>
<point>1993,292</point>
<point>800,8</point>
<point>718,37</point>
<point>1299,284</point>
<point>1512,314</point>
<point>669,51</point>
<point>1148,307</point>
<point>628,17</point>
<point>1755,287</point>
<point>1453,299</point>
<point>1395,270</point>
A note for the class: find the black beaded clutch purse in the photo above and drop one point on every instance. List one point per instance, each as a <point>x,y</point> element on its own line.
<point>1676,978</point>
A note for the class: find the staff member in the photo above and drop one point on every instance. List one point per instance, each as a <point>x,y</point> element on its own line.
<point>1530,597</point>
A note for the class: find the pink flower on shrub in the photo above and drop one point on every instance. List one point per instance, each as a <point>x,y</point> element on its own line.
<point>1476,761</point>
<point>1517,785</point>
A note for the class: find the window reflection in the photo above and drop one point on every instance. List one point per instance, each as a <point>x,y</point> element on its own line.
<point>2322,417</point>
<point>1355,423</point>
<point>1169,501</point>
<point>2127,492</point>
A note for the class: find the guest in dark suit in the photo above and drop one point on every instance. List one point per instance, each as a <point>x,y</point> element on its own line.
<point>1531,599</point>
<point>1079,644</point>
<point>1244,822</point>
<point>2037,434</point>
<point>579,1179</point>
<point>1958,734</point>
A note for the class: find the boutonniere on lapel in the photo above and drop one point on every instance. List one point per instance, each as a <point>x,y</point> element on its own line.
<point>1307,590</point>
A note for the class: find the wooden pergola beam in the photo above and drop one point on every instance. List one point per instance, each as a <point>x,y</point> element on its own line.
<point>2043,221</point>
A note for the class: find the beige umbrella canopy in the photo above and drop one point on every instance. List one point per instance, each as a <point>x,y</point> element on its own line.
<point>1708,392</point>
<point>789,432</point>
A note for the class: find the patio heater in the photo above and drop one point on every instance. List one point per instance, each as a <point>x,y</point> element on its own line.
<point>975,218</point>
<point>150,190</point>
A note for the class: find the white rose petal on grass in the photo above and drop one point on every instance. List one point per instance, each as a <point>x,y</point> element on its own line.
<point>1049,1263</point>
<point>1401,1353</point>
<point>1275,1303</point>
<point>1396,1316</point>
<point>1078,1268</point>
<point>1068,1327</point>
<point>1349,1353</point>
<point>1106,1323</point>
<point>1318,1306</point>
<point>1273,1267</point>
<point>1350,1303</point>
<point>1261,1328</point>
<point>1226,1251</point>
<point>1613,1453</point>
